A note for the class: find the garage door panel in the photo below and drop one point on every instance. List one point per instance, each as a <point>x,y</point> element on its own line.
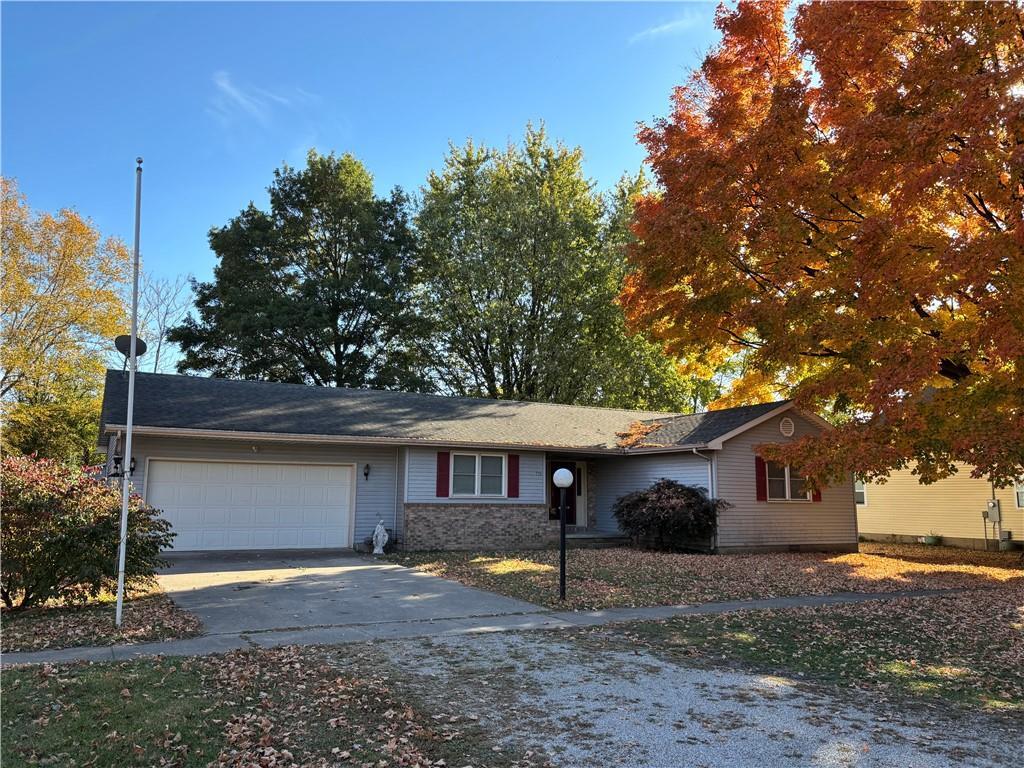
<point>164,495</point>
<point>212,539</point>
<point>190,472</point>
<point>313,517</point>
<point>242,517</point>
<point>189,495</point>
<point>240,494</point>
<point>239,505</point>
<point>267,495</point>
<point>334,496</point>
<point>215,494</point>
<point>268,473</point>
<point>218,473</point>
<point>241,473</point>
<point>214,516</point>
<point>314,496</point>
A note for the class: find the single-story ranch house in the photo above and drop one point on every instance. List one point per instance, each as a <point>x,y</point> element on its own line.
<point>257,465</point>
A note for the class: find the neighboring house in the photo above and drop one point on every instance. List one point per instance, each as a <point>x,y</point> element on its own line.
<point>902,509</point>
<point>256,465</point>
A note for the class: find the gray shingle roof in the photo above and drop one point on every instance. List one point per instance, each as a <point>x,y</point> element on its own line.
<point>196,403</point>
<point>702,428</point>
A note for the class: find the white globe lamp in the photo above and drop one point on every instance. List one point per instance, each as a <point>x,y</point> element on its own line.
<point>562,479</point>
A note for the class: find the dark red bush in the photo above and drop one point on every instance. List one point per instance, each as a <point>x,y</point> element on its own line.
<point>59,534</point>
<point>669,515</point>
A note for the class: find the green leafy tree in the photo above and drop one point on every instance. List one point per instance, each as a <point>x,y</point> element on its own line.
<point>55,417</point>
<point>522,263</point>
<point>318,290</point>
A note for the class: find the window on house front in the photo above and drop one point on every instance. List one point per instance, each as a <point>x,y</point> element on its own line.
<point>463,474</point>
<point>784,484</point>
<point>1020,493</point>
<point>860,492</point>
<point>478,474</point>
<point>492,475</point>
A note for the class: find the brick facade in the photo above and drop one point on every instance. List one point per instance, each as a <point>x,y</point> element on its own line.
<point>478,526</point>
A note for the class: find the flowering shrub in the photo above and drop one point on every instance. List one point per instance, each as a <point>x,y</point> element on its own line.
<point>669,515</point>
<point>59,534</point>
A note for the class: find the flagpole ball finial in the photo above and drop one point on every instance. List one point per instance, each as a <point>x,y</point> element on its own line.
<point>138,160</point>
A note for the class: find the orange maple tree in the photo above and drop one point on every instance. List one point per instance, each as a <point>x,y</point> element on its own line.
<point>840,204</point>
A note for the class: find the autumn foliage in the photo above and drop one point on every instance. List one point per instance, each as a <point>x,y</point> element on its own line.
<point>60,534</point>
<point>840,206</point>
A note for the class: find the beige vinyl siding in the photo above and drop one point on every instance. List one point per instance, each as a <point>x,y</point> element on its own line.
<point>375,496</point>
<point>752,524</point>
<point>951,507</point>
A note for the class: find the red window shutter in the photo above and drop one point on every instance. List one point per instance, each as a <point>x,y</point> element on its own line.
<point>443,463</point>
<point>513,475</point>
<point>816,495</point>
<point>761,478</point>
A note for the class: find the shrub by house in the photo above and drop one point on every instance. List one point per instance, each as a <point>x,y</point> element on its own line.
<point>60,531</point>
<point>669,515</point>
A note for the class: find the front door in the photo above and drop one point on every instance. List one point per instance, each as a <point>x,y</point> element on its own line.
<point>570,492</point>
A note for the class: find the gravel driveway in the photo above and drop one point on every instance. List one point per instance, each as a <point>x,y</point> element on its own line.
<point>540,693</point>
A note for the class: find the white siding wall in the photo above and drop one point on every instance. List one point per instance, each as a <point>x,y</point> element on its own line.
<point>950,507</point>
<point>421,484</point>
<point>375,497</point>
<point>750,523</point>
<point>619,476</point>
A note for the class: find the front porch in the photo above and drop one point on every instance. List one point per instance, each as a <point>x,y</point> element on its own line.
<point>581,497</point>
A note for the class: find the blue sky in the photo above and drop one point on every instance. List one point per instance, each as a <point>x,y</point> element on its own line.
<point>215,96</point>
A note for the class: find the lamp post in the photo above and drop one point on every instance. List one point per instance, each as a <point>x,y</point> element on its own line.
<point>563,479</point>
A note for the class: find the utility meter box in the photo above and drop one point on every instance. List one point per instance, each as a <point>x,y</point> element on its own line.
<point>992,512</point>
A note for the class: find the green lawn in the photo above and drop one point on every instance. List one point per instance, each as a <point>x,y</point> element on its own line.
<point>148,615</point>
<point>965,649</point>
<point>603,578</point>
<point>259,707</point>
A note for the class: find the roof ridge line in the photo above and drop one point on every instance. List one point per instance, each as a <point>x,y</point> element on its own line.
<point>317,388</point>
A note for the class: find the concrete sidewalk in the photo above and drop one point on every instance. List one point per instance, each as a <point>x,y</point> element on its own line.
<point>539,619</point>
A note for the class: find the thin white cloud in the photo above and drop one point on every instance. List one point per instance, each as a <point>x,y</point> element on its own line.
<point>690,18</point>
<point>231,101</point>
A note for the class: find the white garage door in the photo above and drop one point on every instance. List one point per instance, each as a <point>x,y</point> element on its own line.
<point>253,505</point>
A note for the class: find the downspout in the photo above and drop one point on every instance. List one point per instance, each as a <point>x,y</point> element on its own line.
<point>711,493</point>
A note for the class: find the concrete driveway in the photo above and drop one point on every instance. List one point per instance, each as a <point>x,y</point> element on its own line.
<point>258,591</point>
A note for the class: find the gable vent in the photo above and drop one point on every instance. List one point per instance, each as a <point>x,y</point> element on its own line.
<point>786,426</point>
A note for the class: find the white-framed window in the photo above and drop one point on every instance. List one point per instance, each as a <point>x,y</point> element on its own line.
<point>860,492</point>
<point>478,474</point>
<point>1019,488</point>
<point>784,485</point>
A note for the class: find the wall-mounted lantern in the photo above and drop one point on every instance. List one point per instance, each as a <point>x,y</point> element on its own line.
<point>118,469</point>
<point>366,472</point>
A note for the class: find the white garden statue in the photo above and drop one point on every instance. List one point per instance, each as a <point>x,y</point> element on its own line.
<point>380,538</point>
